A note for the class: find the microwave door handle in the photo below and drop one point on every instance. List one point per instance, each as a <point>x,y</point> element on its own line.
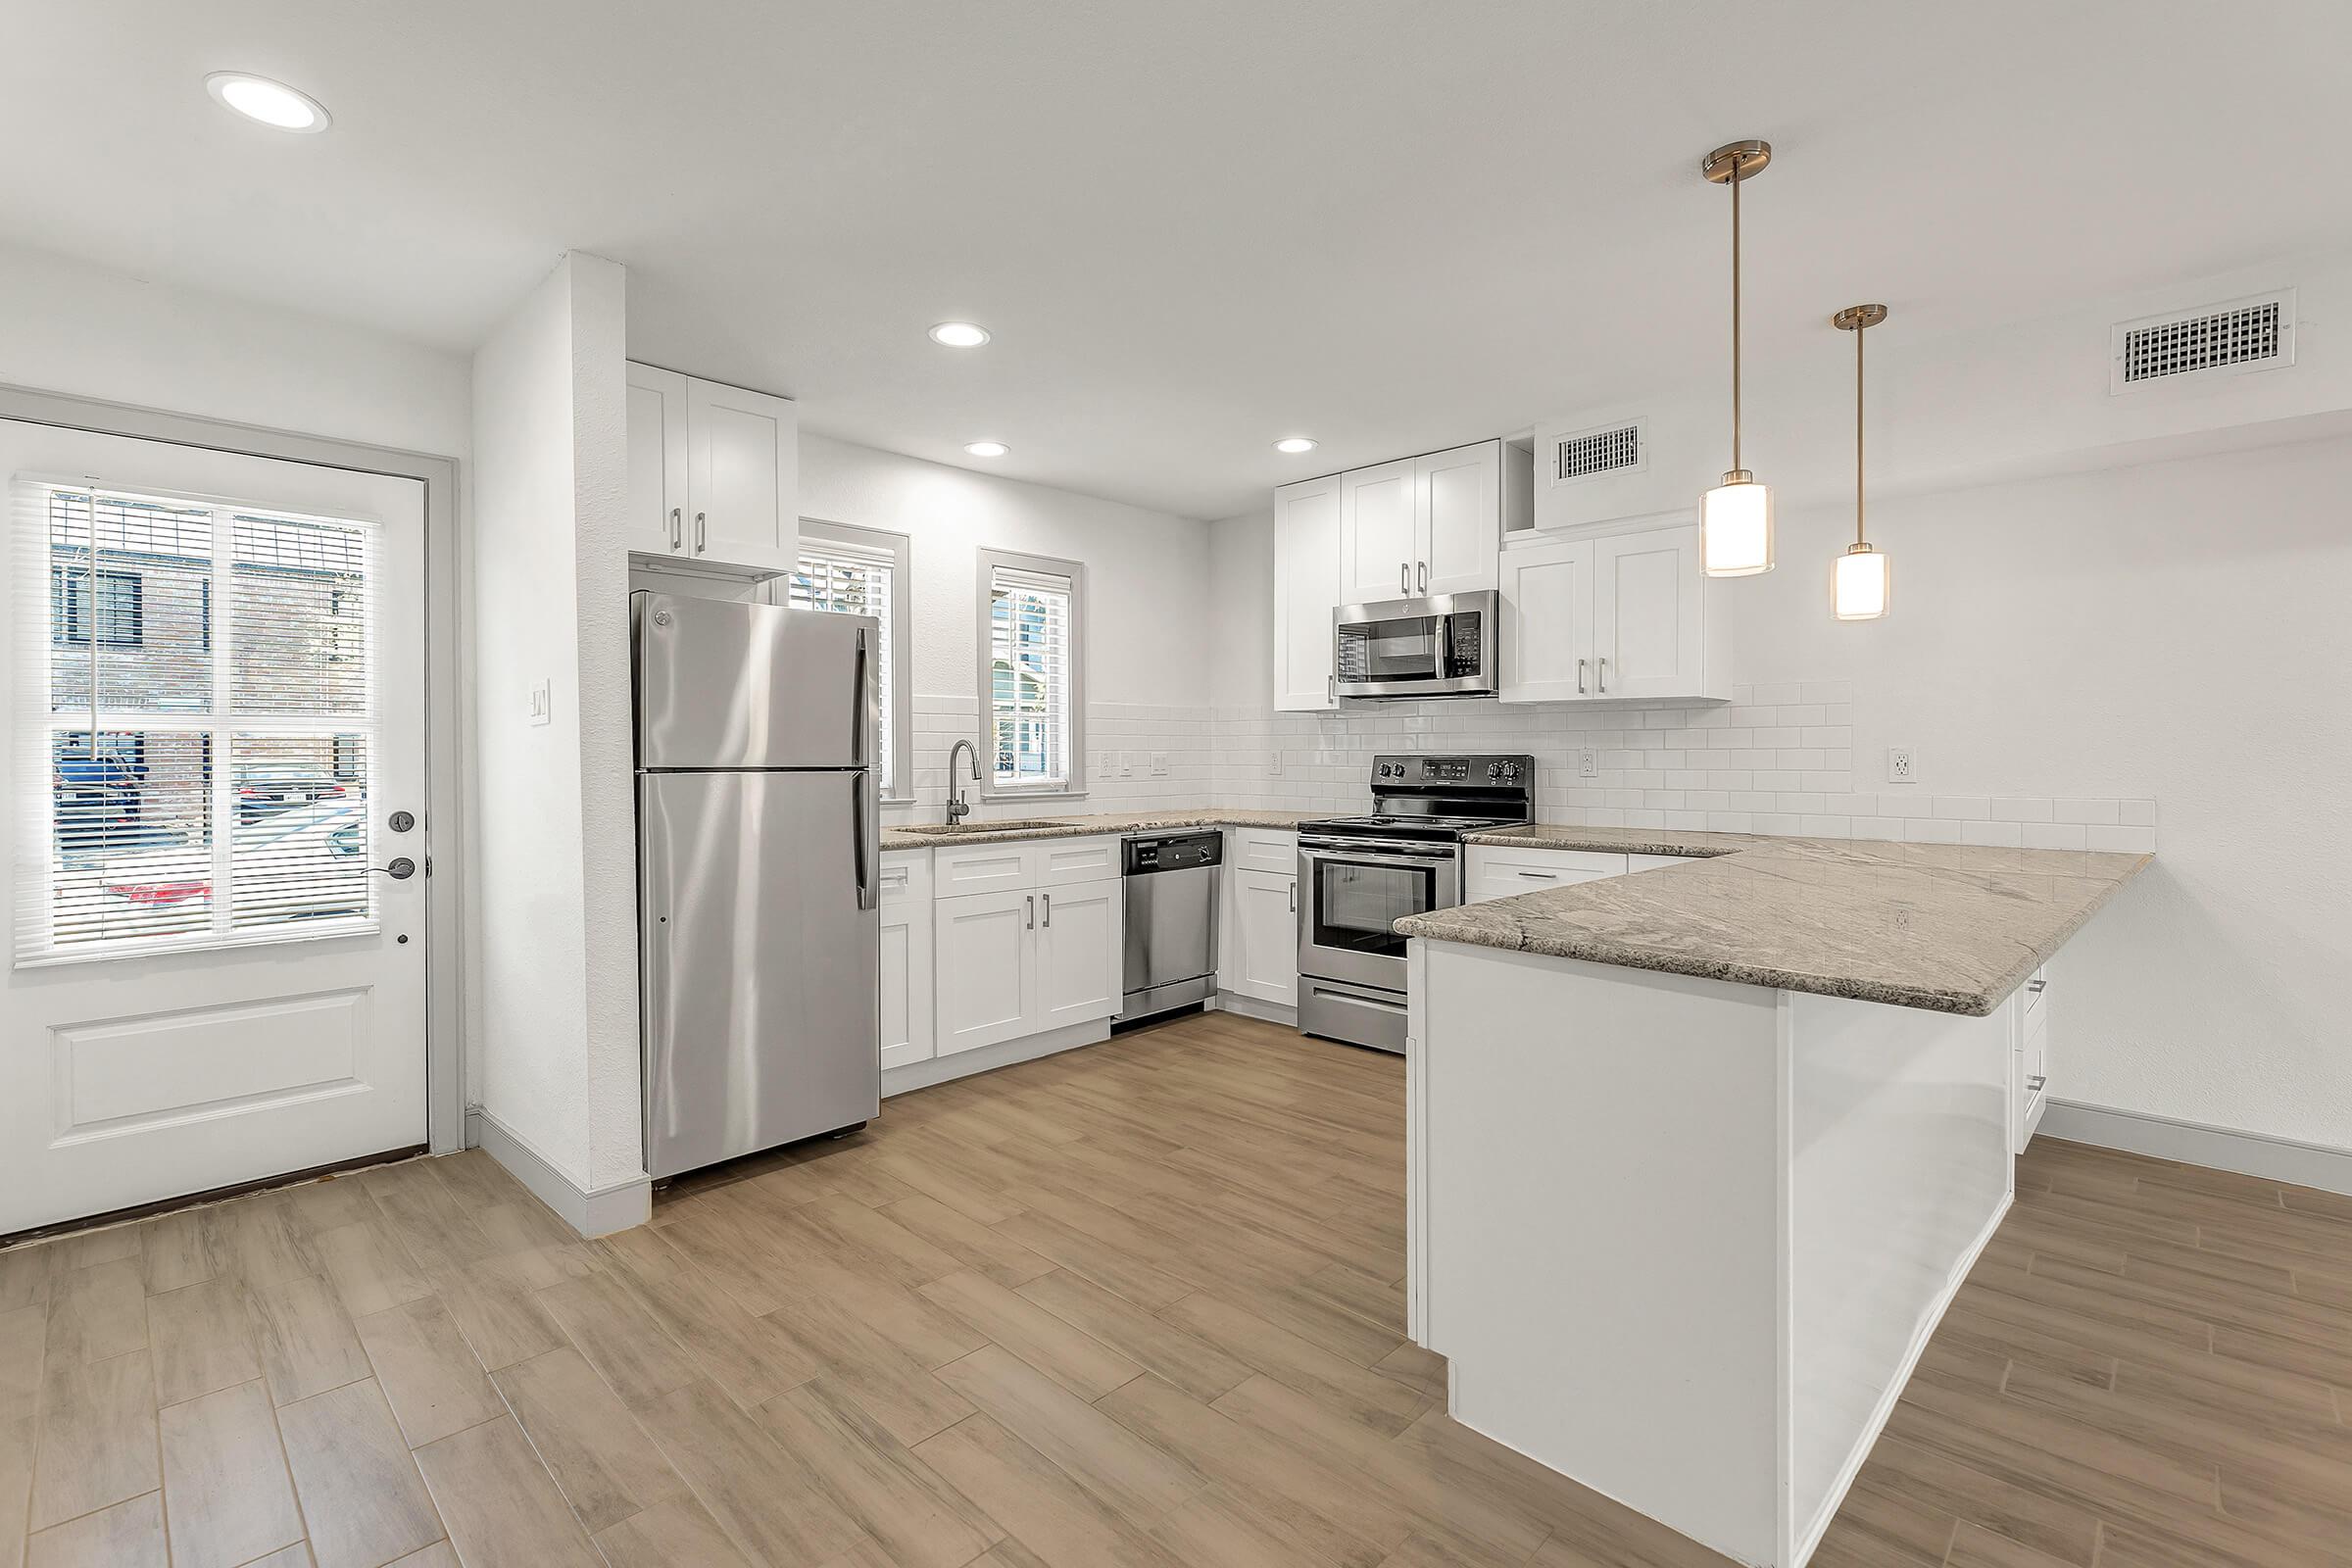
<point>1440,643</point>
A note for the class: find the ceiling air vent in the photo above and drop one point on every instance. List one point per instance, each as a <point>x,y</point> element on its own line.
<point>1612,449</point>
<point>2228,339</point>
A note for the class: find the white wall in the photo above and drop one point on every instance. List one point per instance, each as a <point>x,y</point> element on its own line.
<point>1147,578</point>
<point>67,326</point>
<point>557,1042</point>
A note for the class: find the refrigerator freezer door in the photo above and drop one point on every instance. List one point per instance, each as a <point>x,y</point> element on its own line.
<point>722,684</point>
<point>761,955</point>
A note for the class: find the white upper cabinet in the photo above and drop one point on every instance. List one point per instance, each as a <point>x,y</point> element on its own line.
<point>1430,524</point>
<point>1458,498</point>
<point>1650,614</point>
<point>1380,533</point>
<point>714,473</point>
<point>1306,589</point>
<point>1622,617</point>
<point>1545,641</point>
<point>656,460</point>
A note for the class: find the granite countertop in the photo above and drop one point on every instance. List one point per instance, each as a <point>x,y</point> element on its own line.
<point>928,835</point>
<point>1951,928</point>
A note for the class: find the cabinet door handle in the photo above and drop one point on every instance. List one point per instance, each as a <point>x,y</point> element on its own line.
<point>1580,678</point>
<point>1604,673</point>
<point>1424,577</point>
<point>1331,688</point>
<point>1293,895</point>
<point>1032,911</point>
<point>1405,580</point>
<point>1049,911</point>
<point>677,527</point>
<point>2037,987</point>
<point>2034,1083</point>
<point>698,533</point>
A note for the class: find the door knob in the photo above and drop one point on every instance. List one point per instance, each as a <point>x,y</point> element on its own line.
<point>401,821</point>
<point>400,869</point>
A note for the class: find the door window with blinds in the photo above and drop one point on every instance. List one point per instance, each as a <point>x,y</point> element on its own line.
<point>1032,624</point>
<point>861,571</point>
<point>197,724</point>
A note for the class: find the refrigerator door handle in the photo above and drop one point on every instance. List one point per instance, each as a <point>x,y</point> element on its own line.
<point>865,708</point>
<point>865,809</point>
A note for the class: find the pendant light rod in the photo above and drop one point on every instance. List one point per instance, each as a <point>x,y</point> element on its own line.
<point>1855,319</point>
<point>1734,164</point>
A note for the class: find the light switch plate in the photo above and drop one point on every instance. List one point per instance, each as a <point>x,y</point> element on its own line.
<point>542,704</point>
<point>1160,765</point>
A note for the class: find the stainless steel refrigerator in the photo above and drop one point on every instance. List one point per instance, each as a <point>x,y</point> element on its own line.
<point>758,871</point>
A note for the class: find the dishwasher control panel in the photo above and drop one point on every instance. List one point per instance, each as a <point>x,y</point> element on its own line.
<point>1172,852</point>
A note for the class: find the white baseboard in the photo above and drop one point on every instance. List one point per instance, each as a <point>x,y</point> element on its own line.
<point>1885,1410</point>
<point>1004,1053</point>
<point>2192,1142</point>
<point>600,1213</point>
<point>1252,1007</point>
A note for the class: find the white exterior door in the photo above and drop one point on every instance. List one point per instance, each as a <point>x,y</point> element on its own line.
<point>1080,959</point>
<point>1546,639</point>
<point>1648,620</point>
<point>987,976</point>
<point>1460,502</point>
<point>743,467</point>
<point>1306,588</point>
<point>1378,536</point>
<point>215,669</point>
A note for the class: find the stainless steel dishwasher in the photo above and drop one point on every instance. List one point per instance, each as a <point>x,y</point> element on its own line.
<point>1172,883</point>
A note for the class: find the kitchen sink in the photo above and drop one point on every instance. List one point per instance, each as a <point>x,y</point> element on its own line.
<point>1017,827</point>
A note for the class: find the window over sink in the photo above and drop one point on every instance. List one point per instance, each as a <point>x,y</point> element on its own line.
<point>1031,659</point>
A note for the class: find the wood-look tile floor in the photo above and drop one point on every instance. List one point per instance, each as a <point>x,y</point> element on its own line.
<point>1138,1304</point>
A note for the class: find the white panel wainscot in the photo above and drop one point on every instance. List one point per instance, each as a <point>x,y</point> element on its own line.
<point>1683,1240</point>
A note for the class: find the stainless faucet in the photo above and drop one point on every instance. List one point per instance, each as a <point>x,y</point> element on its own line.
<point>957,806</point>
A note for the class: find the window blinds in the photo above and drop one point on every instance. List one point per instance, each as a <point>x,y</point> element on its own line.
<point>199,725</point>
<point>856,582</point>
<point>1030,618</point>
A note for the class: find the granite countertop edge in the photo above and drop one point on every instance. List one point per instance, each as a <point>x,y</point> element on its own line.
<point>925,835</point>
<point>1565,941</point>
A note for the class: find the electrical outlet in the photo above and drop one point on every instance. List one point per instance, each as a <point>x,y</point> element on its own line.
<point>1274,765</point>
<point>1903,768</point>
<point>1587,763</point>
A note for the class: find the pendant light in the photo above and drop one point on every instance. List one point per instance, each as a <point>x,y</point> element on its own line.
<point>1862,580</point>
<point>1735,519</point>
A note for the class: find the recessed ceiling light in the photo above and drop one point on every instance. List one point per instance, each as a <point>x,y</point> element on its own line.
<point>986,449</point>
<point>1293,443</point>
<point>273,103</point>
<point>959,334</point>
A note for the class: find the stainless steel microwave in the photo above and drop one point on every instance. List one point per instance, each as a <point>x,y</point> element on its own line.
<point>1441,646</point>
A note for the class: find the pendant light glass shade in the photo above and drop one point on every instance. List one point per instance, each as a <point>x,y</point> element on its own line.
<point>1861,584</point>
<point>1735,527</point>
<point>1735,519</point>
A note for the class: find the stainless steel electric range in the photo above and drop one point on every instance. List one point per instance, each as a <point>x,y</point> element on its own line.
<point>1360,875</point>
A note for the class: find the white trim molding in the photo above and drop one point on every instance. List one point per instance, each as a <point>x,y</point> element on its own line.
<point>1004,1053</point>
<point>617,1208</point>
<point>2194,1142</point>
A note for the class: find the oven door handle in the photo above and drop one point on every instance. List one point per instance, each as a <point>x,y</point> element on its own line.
<point>1411,863</point>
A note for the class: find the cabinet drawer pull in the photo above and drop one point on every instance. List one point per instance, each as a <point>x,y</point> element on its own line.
<point>2034,1083</point>
<point>1540,876</point>
<point>2037,987</point>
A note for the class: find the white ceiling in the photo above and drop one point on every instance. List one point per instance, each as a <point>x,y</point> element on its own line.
<point>1194,225</point>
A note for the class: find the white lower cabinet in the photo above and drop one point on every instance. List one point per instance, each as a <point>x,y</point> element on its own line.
<point>905,1018</point>
<point>1260,957</point>
<point>986,957</point>
<point>1502,871</point>
<point>2030,1054</point>
<point>1080,954</point>
<point>1025,961</point>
